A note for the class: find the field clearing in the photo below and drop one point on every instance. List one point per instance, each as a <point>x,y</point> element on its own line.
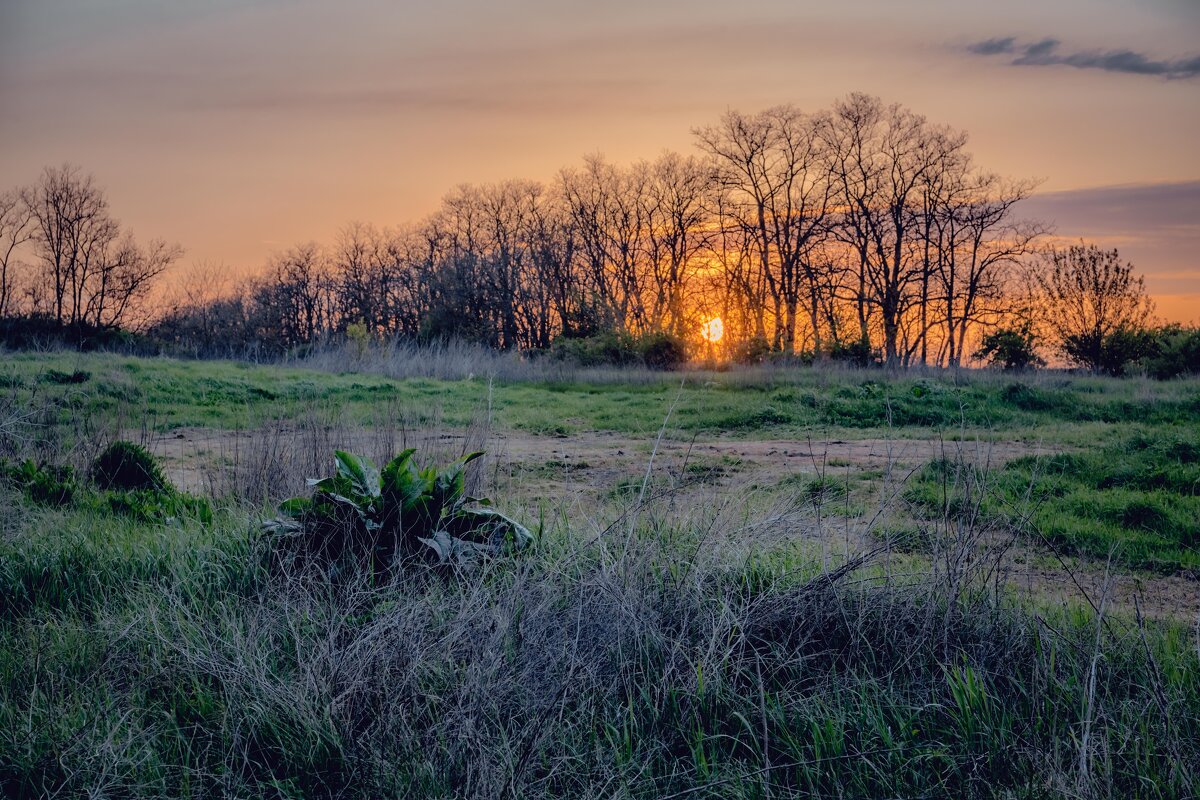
<point>576,472</point>
<point>164,394</point>
<point>920,569</point>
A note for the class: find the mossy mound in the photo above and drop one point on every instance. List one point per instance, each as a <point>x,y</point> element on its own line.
<point>127,466</point>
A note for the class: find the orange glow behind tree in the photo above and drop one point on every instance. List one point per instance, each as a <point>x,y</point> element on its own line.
<point>713,330</point>
<point>859,231</point>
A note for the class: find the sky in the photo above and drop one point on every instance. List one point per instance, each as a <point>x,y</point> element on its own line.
<point>242,128</point>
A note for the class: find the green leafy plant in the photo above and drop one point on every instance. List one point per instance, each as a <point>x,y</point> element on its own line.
<point>45,484</point>
<point>1175,351</point>
<point>375,518</point>
<point>156,506</point>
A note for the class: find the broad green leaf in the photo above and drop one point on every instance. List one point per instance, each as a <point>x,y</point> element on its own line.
<point>440,543</point>
<point>337,484</point>
<point>495,528</point>
<point>296,506</point>
<point>396,473</point>
<point>360,471</point>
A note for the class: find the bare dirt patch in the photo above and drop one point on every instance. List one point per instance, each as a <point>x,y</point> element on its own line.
<point>190,454</point>
<point>571,471</point>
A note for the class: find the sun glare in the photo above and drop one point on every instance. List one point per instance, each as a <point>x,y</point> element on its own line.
<point>713,330</point>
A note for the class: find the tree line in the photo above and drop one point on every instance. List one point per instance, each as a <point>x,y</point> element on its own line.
<point>861,231</point>
<point>87,271</point>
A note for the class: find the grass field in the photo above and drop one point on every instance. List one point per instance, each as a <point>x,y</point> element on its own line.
<point>764,584</point>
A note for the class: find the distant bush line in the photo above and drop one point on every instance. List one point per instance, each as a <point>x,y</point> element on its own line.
<point>1163,352</point>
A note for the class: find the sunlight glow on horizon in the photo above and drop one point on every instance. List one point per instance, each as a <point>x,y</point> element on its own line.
<point>241,129</point>
<point>713,330</point>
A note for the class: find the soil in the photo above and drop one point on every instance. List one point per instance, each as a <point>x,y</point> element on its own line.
<point>571,470</point>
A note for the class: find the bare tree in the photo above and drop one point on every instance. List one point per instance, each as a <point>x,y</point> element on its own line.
<point>1088,295</point>
<point>676,216</point>
<point>74,233</point>
<point>357,261</point>
<point>94,274</point>
<point>294,302</point>
<point>774,166</point>
<point>606,208</point>
<point>16,229</point>
<point>853,231</point>
<point>883,156</point>
<point>983,244</point>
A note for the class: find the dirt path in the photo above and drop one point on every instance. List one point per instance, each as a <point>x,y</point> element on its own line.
<point>579,468</point>
<point>190,453</point>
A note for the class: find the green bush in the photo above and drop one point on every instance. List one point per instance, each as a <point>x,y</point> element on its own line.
<point>1011,349</point>
<point>611,348</point>
<point>661,350</point>
<point>128,466</point>
<point>1175,352</point>
<point>754,350</point>
<point>150,501</point>
<point>656,350</point>
<point>1110,353</point>
<point>859,353</point>
<point>365,517</point>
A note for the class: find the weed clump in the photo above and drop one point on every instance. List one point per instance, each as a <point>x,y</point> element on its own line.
<point>139,492</point>
<point>44,484</point>
<point>129,467</point>
<point>60,378</point>
<point>365,517</point>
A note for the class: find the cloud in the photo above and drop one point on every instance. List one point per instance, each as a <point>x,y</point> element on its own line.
<point>1047,52</point>
<point>991,47</point>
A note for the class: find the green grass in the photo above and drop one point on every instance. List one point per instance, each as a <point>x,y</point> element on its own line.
<point>638,652</point>
<point>788,403</point>
<point>1138,499</point>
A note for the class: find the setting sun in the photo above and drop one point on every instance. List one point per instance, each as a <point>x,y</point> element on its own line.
<point>713,330</point>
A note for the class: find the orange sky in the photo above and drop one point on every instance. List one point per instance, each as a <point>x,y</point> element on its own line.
<point>236,128</point>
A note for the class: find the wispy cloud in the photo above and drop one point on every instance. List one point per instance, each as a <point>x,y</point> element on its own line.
<point>991,47</point>
<point>1048,52</point>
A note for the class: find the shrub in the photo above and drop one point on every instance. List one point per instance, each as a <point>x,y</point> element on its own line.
<point>1011,349</point>
<point>611,348</point>
<point>661,350</point>
<point>656,350</point>
<point>365,517</point>
<point>128,466</point>
<point>1111,353</point>
<point>859,353</point>
<point>359,336</point>
<point>754,350</point>
<point>38,331</point>
<point>1175,351</point>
